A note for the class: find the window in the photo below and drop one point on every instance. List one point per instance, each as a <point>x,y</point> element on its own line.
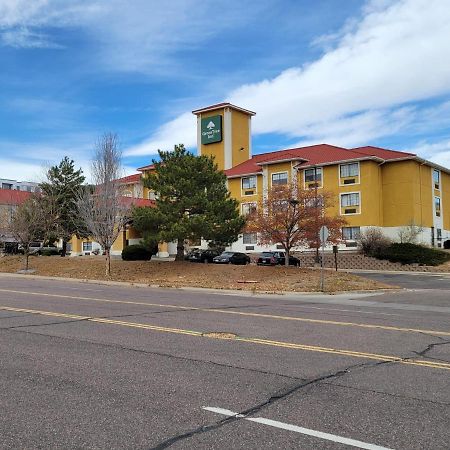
<point>314,174</point>
<point>436,178</point>
<point>349,170</point>
<point>87,246</point>
<point>437,205</point>
<point>7,186</point>
<point>249,182</point>
<point>439,234</point>
<point>350,199</point>
<point>249,238</point>
<point>315,202</point>
<point>279,178</point>
<point>351,233</point>
<point>127,194</point>
<point>248,208</point>
<point>151,195</point>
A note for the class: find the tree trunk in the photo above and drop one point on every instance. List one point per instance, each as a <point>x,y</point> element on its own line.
<point>64,248</point>
<point>180,250</point>
<point>108,262</point>
<point>27,255</point>
<point>286,258</point>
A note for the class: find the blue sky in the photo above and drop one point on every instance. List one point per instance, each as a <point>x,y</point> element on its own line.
<point>348,73</point>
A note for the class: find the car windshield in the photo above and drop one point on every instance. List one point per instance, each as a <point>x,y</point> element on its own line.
<point>227,254</point>
<point>267,254</point>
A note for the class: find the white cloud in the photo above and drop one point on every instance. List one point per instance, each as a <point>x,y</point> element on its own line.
<point>395,55</point>
<point>182,130</point>
<point>438,152</point>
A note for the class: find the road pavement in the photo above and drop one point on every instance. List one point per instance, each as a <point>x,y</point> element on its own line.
<point>97,366</point>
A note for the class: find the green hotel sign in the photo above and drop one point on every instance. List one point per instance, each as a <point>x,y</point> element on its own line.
<point>211,129</point>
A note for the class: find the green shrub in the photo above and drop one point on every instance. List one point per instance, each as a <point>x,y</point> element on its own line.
<point>136,253</point>
<point>411,253</point>
<point>373,242</point>
<point>49,252</point>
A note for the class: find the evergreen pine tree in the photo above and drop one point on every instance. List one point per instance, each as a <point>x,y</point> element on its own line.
<point>193,201</point>
<point>63,187</point>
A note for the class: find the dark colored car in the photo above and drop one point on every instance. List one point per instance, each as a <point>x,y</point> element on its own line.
<point>232,258</point>
<point>204,256</point>
<point>276,258</point>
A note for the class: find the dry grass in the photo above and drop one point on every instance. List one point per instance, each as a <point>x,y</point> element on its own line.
<point>180,274</point>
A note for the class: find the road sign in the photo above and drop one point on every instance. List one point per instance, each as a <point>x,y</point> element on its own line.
<point>323,233</point>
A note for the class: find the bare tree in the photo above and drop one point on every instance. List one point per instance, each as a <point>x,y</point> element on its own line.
<point>409,233</point>
<point>102,207</point>
<point>27,225</point>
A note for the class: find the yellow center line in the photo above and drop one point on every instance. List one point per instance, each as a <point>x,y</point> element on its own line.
<point>268,342</point>
<point>240,313</point>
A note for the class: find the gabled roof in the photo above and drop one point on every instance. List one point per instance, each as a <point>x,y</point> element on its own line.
<point>149,167</point>
<point>313,155</point>
<point>13,197</point>
<point>383,153</point>
<point>134,201</point>
<point>130,179</point>
<point>220,106</point>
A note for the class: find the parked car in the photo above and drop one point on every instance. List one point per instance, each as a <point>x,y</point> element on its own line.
<point>276,258</point>
<point>202,255</point>
<point>232,258</point>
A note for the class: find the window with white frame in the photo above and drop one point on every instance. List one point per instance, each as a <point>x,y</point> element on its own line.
<point>87,246</point>
<point>249,182</point>
<point>248,208</point>
<point>437,205</point>
<point>249,238</point>
<point>279,178</point>
<point>314,174</point>
<point>127,193</point>
<point>351,233</point>
<point>436,178</point>
<point>349,170</point>
<point>351,199</point>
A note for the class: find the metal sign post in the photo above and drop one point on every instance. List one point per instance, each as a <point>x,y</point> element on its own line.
<point>323,235</point>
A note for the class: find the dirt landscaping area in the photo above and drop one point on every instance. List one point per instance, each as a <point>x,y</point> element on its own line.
<point>179,274</point>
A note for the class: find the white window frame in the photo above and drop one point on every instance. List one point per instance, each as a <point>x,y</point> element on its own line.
<point>245,204</point>
<point>319,170</point>
<point>253,241</point>
<point>341,208</point>
<point>279,173</point>
<point>87,244</point>
<point>436,210</point>
<point>358,176</point>
<point>351,238</point>
<point>439,179</point>
<point>255,188</point>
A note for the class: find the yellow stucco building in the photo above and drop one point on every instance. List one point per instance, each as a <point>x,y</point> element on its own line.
<point>373,187</point>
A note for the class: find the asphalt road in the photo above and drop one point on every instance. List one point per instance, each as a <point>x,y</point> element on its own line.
<point>411,280</point>
<point>95,366</point>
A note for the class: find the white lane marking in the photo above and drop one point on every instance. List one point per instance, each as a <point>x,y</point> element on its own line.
<point>295,428</point>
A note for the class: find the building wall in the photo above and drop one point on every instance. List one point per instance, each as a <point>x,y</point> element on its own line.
<point>216,149</point>
<point>240,137</point>
<point>407,194</point>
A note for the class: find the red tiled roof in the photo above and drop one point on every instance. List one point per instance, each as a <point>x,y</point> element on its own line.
<point>13,197</point>
<point>135,178</point>
<point>382,152</point>
<point>314,155</point>
<point>133,201</point>
<point>149,167</point>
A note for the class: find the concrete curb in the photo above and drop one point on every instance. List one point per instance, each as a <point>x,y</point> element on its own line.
<point>402,272</point>
<point>235,292</point>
